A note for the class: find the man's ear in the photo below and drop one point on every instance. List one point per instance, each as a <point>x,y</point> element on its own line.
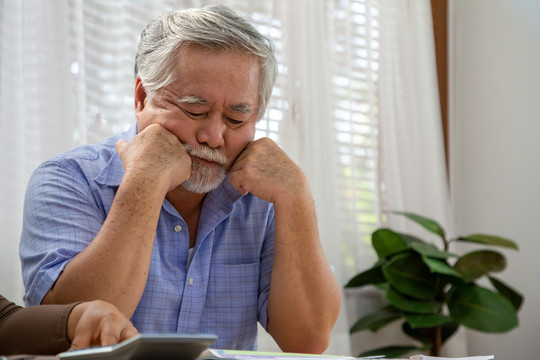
<point>140,95</point>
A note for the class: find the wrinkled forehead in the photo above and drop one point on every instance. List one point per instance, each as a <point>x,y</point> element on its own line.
<point>204,77</point>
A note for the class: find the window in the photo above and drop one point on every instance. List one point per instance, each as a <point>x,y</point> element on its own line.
<point>355,66</point>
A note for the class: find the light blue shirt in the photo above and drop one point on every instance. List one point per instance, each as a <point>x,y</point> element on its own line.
<point>224,290</point>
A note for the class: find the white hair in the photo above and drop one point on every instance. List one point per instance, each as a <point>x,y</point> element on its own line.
<point>213,27</point>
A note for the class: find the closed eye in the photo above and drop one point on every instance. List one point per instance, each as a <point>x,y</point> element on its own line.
<point>234,122</point>
<point>193,114</point>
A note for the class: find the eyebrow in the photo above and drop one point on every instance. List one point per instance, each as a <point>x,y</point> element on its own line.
<point>192,99</point>
<point>242,108</point>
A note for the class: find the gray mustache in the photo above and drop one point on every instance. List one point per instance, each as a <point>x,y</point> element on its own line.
<point>206,153</point>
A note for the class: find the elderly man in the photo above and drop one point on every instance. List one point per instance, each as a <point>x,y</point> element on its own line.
<point>184,222</point>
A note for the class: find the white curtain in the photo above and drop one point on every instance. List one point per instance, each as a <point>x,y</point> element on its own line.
<point>306,129</point>
<point>355,105</point>
<point>412,159</point>
<point>36,119</point>
<point>411,149</point>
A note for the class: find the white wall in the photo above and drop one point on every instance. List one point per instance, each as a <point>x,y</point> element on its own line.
<point>495,147</point>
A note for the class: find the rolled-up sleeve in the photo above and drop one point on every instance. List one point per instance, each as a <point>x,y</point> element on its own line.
<point>38,330</point>
<point>61,217</point>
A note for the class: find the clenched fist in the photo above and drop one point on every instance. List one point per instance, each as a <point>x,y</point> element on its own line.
<point>156,153</point>
<point>267,172</point>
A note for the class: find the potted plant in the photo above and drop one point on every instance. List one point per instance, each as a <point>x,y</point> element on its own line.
<point>434,291</point>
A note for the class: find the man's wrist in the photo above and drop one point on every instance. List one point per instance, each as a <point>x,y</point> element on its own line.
<point>140,183</point>
<point>298,196</point>
<point>74,316</point>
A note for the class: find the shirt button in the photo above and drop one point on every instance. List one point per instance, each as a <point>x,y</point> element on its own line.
<point>190,281</point>
<point>177,228</point>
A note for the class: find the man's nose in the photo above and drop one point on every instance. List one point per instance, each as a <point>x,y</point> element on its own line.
<point>211,130</point>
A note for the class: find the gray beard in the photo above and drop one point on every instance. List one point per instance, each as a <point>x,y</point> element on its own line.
<point>204,179</point>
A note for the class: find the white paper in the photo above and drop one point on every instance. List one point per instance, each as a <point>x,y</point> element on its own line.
<point>426,357</point>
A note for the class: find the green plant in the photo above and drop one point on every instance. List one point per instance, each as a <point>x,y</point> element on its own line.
<point>432,296</point>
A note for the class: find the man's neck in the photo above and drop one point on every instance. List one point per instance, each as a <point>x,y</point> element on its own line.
<point>187,203</point>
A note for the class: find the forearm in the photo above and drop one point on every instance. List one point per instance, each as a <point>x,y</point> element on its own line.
<point>304,298</point>
<point>33,330</point>
<point>114,267</point>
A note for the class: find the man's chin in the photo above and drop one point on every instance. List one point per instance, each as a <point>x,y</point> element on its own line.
<point>202,187</point>
<point>195,189</point>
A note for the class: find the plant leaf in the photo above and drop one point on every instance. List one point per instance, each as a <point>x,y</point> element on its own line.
<point>427,320</point>
<point>422,334</point>
<point>368,277</point>
<point>430,250</point>
<point>410,239</point>
<point>450,280</point>
<point>505,290</point>
<point>479,263</point>
<point>409,275</point>
<point>481,309</point>
<point>377,320</point>
<point>386,242</point>
<point>390,351</point>
<point>410,305</point>
<point>489,240</point>
<point>440,267</point>
<point>428,224</point>
<point>383,287</point>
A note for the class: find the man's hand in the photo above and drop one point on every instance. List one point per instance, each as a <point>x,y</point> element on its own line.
<point>155,153</point>
<point>266,171</point>
<point>98,323</point>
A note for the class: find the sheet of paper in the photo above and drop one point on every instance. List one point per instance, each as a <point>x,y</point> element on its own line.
<point>261,355</point>
<point>425,357</point>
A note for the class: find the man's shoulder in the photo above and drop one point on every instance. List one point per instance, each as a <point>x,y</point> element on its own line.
<point>87,160</point>
<point>101,151</point>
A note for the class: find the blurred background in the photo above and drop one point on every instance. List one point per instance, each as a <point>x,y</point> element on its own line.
<point>378,114</point>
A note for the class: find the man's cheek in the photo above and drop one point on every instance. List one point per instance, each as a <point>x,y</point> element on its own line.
<point>173,127</point>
